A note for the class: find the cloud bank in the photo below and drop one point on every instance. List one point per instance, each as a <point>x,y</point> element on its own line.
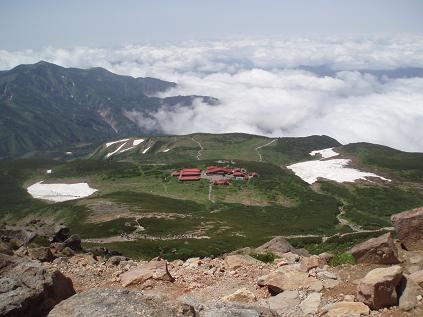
<point>268,86</point>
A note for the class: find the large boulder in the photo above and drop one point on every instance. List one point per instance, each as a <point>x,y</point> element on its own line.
<point>28,289</point>
<point>409,228</point>
<point>409,292</point>
<point>236,261</point>
<point>60,233</point>
<point>118,302</point>
<point>277,245</point>
<point>289,280</point>
<point>156,270</point>
<point>350,309</point>
<point>380,250</point>
<point>17,237</point>
<point>380,287</point>
<point>5,248</point>
<point>73,242</point>
<point>285,302</point>
<point>417,277</point>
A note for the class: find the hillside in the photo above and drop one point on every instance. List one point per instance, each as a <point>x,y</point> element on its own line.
<point>142,211</point>
<point>47,107</point>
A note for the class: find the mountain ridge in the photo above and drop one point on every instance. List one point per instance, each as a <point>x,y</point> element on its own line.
<point>44,106</point>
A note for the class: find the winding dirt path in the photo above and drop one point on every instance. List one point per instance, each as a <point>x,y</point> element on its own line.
<point>262,146</point>
<point>200,150</point>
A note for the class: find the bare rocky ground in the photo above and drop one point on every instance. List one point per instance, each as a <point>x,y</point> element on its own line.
<point>386,281</point>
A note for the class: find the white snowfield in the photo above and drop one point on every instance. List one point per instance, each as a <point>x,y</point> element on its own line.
<point>325,153</point>
<point>60,192</point>
<point>125,143</point>
<point>167,150</point>
<point>114,142</point>
<point>146,150</point>
<point>49,171</point>
<point>335,169</point>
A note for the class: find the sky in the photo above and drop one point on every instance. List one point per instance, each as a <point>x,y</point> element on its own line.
<point>31,24</point>
<point>259,58</point>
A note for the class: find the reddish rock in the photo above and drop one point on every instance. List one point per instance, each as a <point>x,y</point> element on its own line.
<point>379,288</point>
<point>312,262</point>
<point>156,270</point>
<point>380,250</point>
<point>409,228</point>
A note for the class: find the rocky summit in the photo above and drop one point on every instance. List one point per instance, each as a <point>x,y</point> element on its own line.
<point>41,281</point>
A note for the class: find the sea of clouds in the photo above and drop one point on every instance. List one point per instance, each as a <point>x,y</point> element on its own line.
<point>269,86</point>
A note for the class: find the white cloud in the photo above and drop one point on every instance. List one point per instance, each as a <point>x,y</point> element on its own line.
<point>260,94</point>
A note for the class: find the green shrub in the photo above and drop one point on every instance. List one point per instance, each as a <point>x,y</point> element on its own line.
<point>343,258</point>
<point>264,257</point>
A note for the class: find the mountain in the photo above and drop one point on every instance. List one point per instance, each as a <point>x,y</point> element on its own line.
<point>45,106</point>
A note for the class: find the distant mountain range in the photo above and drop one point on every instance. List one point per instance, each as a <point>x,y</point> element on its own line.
<point>44,106</point>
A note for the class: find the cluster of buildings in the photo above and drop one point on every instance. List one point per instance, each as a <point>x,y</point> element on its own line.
<point>218,175</point>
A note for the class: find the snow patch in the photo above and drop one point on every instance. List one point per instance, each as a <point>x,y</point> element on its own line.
<point>114,142</point>
<point>115,151</point>
<point>48,171</point>
<point>167,150</point>
<point>335,170</point>
<point>137,142</point>
<point>146,150</point>
<point>68,153</point>
<point>325,153</point>
<point>60,192</point>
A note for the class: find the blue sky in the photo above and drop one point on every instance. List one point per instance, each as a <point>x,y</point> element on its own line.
<point>38,24</point>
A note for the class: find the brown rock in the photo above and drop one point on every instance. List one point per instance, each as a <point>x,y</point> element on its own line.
<point>156,270</point>
<point>277,245</point>
<point>379,288</point>
<point>350,309</point>
<point>284,303</point>
<point>236,261</point>
<point>42,254</point>
<point>312,262</point>
<point>417,277</point>
<point>380,250</point>
<point>409,228</point>
<point>5,248</point>
<point>279,281</point>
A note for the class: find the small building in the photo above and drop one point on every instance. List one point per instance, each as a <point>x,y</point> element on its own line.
<point>176,173</point>
<point>189,178</point>
<point>214,170</point>
<point>221,182</point>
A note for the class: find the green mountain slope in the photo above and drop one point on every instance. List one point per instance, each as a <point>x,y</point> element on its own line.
<point>45,106</point>
<point>181,220</point>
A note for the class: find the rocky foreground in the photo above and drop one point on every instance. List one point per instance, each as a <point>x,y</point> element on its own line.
<point>61,279</point>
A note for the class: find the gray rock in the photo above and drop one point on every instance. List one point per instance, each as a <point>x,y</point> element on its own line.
<point>276,245</point>
<point>73,242</point>
<point>408,298</point>
<point>115,260</point>
<point>107,302</point>
<point>5,248</point>
<point>27,289</point>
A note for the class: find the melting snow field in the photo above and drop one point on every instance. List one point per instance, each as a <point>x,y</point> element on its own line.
<point>167,150</point>
<point>60,192</point>
<point>325,153</point>
<point>146,150</point>
<point>119,149</point>
<point>335,169</point>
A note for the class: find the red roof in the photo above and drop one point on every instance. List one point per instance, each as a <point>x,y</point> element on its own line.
<point>238,174</point>
<point>221,182</point>
<point>189,178</point>
<point>190,172</point>
<point>218,170</point>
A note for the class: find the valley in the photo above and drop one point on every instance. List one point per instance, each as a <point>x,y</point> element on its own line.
<point>139,209</point>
